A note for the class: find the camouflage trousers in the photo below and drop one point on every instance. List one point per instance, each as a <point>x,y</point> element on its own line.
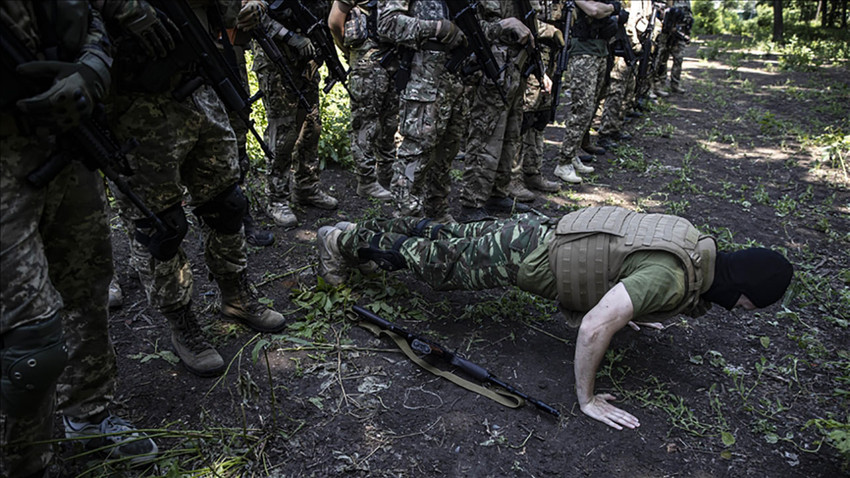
<point>536,103</point>
<point>614,109</point>
<point>432,120</point>
<point>293,132</point>
<point>587,78</point>
<point>472,256</point>
<point>185,146</point>
<point>374,117</point>
<point>494,133</point>
<point>665,51</point>
<point>56,258</point>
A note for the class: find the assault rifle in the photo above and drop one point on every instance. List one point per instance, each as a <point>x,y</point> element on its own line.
<point>90,142</point>
<point>319,34</point>
<point>462,13</point>
<point>646,54</point>
<point>213,67</point>
<point>429,348</point>
<point>529,18</point>
<point>623,46</point>
<point>274,55</point>
<point>563,59</point>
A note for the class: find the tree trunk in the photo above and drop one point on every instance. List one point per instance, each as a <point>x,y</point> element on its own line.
<point>819,13</point>
<point>777,21</point>
<point>844,15</point>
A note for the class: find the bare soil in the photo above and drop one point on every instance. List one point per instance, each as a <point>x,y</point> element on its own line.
<point>344,402</point>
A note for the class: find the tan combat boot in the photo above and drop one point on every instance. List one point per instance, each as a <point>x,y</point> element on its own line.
<point>189,341</point>
<point>239,302</point>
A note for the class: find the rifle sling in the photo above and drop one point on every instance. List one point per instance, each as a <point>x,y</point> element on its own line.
<point>503,397</point>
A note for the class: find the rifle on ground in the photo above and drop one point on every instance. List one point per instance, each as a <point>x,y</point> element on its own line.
<point>317,31</point>
<point>563,59</point>
<point>91,141</point>
<point>274,55</point>
<point>430,348</point>
<point>462,13</point>
<point>213,70</point>
<point>529,18</point>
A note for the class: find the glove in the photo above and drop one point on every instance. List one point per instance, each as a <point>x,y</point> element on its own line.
<point>551,36</point>
<point>155,32</point>
<point>513,31</point>
<point>71,98</point>
<point>449,34</point>
<point>250,14</point>
<point>616,6</point>
<point>301,43</point>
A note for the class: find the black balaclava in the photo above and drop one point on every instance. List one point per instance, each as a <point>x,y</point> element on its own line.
<point>760,274</point>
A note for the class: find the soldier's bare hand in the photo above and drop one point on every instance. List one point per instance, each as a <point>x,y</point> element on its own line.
<point>598,408</point>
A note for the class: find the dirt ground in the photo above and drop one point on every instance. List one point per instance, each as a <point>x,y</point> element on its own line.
<point>726,394</point>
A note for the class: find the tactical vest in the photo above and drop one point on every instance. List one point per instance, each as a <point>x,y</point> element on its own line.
<point>590,245</point>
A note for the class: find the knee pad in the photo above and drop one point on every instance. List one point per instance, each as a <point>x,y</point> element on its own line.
<point>388,260</point>
<point>541,120</point>
<point>224,212</point>
<point>32,359</point>
<point>163,244</point>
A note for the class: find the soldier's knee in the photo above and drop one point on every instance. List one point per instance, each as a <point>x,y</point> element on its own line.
<point>163,242</point>
<point>32,359</point>
<point>224,212</point>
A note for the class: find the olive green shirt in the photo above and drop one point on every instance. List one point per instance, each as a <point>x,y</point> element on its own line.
<point>592,47</point>
<point>654,280</point>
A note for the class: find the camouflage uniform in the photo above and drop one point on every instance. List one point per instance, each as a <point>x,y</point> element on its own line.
<point>670,47</point>
<point>472,256</point>
<point>432,114</point>
<point>293,132</point>
<point>613,111</point>
<point>536,103</point>
<point>494,126</point>
<point>374,102</point>
<point>587,73</point>
<point>56,265</point>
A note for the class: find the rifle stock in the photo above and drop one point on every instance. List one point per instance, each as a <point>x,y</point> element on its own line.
<point>428,347</point>
<point>462,13</point>
<point>265,42</point>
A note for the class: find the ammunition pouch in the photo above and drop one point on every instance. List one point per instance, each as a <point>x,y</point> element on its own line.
<point>389,260</point>
<point>224,212</point>
<point>163,245</point>
<point>32,359</point>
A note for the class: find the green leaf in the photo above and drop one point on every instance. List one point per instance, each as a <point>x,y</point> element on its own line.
<point>726,455</point>
<point>169,357</point>
<point>317,402</point>
<point>728,438</point>
<point>697,359</point>
<point>257,347</point>
<point>771,438</point>
<point>765,342</point>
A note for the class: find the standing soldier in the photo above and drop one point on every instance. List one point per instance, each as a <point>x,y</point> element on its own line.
<point>675,31</point>
<point>432,116</point>
<point>525,173</point>
<point>374,100</point>
<point>621,83</point>
<point>496,112</point>
<point>55,251</point>
<point>293,128</point>
<point>587,71</point>
<point>183,145</point>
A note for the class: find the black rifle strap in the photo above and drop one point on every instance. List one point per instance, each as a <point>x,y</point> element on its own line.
<point>501,396</point>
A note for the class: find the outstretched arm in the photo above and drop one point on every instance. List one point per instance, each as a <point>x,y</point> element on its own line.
<point>611,314</point>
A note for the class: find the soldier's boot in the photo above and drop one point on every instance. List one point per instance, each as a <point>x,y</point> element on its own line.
<point>439,211</point>
<point>567,173</point>
<point>385,175</point>
<point>116,295</point>
<point>580,167</point>
<point>198,356</point>
<point>112,437</point>
<point>474,214</point>
<point>373,190</point>
<point>254,235</point>
<point>239,302</point>
<point>282,214</point>
<point>538,183</point>
<point>366,267</point>
<point>315,197</point>
<point>332,266</point>
<point>607,141</point>
<point>517,189</point>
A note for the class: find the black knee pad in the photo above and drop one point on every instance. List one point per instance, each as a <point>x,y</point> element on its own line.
<point>163,244</point>
<point>541,120</point>
<point>32,359</point>
<point>224,212</point>
<point>388,260</point>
